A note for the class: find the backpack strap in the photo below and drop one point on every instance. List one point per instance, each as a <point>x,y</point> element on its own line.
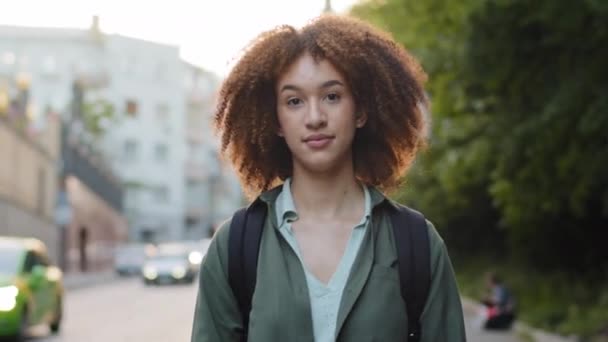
<point>413,254</point>
<point>243,247</point>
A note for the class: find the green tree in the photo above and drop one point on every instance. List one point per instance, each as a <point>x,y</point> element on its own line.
<point>539,69</point>
<point>518,156</point>
<point>98,115</point>
<point>519,144</point>
<point>450,182</point>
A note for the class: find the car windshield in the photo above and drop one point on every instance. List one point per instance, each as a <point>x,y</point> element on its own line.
<point>9,260</point>
<point>131,251</point>
<point>169,258</point>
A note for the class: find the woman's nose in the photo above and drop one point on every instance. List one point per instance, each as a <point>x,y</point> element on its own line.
<point>316,117</point>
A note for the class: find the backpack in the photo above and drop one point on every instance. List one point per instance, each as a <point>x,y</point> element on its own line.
<point>413,254</point>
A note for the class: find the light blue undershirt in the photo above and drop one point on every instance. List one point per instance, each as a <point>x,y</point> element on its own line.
<point>324,299</point>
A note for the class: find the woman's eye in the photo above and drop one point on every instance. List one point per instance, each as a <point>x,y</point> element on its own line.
<point>294,102</point>
<point>333,97</point>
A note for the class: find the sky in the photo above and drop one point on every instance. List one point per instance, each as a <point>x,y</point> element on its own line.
<point>209,33</point>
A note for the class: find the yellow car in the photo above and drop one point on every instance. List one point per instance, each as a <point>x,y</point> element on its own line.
<point>31,289</point>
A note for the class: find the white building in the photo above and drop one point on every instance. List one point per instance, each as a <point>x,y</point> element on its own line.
<point>147,146</point>
<point>213,192</point>
<point>148,141</point>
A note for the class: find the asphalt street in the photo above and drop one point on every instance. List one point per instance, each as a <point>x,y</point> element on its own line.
<point>128,311</point>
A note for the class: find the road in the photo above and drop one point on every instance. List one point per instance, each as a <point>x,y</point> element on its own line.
<point>128,311</point>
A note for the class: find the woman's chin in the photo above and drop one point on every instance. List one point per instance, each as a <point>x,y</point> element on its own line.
<point>320,165</point>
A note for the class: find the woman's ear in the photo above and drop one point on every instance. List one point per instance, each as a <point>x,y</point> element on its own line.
<point>361,119</point>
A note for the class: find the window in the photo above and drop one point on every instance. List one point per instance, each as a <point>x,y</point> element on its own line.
<point>161,194</point>
<point>132,196</point>
<point>30,262</point>
<point>162,116</point>
<point>24,62</point>
<point>190,222</point>
<point>161,71</point>
<point>162,112</point>
<point>161,152</point>
<point>195,151</point>
<point>147,235</point>
<point>49,66</point>
<point>188,81</point>
<point>128,65</point>
<point>32,259</point>
<point>131,108</point>
<point>131,149</point>
<point>8,58</point>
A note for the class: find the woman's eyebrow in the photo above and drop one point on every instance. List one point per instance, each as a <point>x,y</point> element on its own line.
<point>289,87</point>
<point>331,83</point>
<point>326,84</point>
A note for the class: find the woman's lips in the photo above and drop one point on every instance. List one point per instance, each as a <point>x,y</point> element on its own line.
<point>318,142</point>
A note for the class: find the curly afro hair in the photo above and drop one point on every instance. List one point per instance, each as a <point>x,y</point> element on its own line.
<point>385,80</point>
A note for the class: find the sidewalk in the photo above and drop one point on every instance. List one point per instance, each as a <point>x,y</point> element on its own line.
<point>76,280</point>
<point>519,329</point>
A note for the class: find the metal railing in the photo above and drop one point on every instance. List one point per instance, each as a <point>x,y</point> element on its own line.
<point>95,176</point>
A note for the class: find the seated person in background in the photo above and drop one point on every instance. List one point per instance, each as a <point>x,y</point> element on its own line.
<point>500,304</point>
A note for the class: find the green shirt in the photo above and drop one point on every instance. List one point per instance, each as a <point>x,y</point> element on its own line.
<point>324,298</point>
<point>371,308</point>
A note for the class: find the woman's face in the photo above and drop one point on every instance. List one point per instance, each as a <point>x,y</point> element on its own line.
<point>316,113</point>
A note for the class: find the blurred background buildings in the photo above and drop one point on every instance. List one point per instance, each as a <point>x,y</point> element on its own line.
<point>106,139</point>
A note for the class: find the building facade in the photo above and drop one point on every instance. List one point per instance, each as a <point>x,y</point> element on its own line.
<point>152,122</point>
<point>28,178</point>
<point>93,195</point>
<point>212,189</point>
<point>45,114</point>
<point>147,145</point>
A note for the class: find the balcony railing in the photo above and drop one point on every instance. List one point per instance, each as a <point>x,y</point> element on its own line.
<point>80,161</point>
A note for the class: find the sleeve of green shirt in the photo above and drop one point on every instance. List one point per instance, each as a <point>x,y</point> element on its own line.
<point>442,319</point>
<point>217,316</point>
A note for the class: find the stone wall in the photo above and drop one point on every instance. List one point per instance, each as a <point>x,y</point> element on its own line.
<point>17,221</point>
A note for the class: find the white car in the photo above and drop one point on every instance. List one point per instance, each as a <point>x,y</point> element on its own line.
<point>169,268</point>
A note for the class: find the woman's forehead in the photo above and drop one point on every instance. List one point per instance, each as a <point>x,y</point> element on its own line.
<point>307,71</point>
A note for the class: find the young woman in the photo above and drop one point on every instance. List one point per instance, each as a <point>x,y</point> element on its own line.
<point>330,116</point>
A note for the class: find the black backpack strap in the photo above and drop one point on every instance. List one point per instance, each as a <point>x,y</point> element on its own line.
<point>413,255</point>
<point>243,247</point>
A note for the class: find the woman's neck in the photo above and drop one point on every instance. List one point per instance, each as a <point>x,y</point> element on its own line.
<point>327,196</point>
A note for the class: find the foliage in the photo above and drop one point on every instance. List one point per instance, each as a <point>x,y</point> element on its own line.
<point>552,301</point>
<point>98,115</point>
<point>516,169</point>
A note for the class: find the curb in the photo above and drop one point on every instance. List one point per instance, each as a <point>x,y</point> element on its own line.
<point>472,307</point>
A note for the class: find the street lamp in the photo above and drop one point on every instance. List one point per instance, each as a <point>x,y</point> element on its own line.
<point>328,8</point>
<point>23,84</point>
<point>4,101</point>
<point>23,81</point>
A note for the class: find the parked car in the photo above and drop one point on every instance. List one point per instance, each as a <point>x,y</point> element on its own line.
<point>31,288</point>
<point>197,250</point>
<point>129,258</point>
<point>169,268</point>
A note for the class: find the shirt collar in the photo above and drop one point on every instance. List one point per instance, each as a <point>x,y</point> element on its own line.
<point>285,206</point>
<point>286,209</point>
